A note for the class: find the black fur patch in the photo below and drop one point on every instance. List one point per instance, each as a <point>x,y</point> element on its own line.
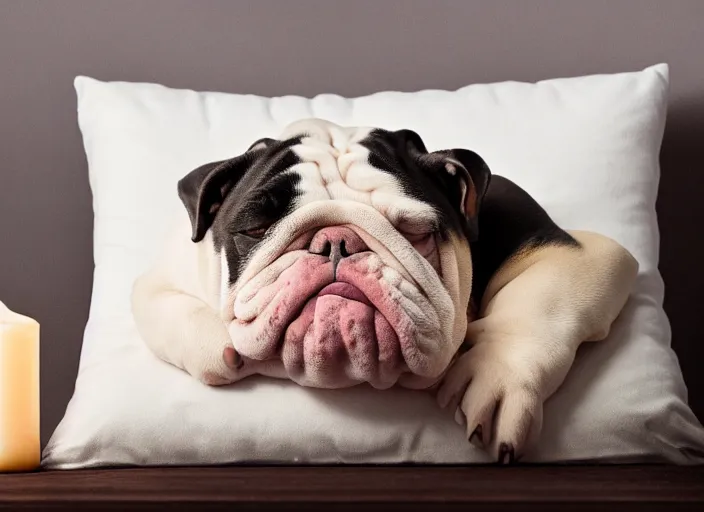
<point>265,208</point>
<point>388,153</point>
<point>261,197</point>
<point>511,224</point>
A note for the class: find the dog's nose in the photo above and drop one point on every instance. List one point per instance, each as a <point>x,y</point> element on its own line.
<point>336,242</point>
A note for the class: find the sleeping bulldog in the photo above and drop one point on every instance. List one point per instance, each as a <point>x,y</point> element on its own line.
<point>338,256</point>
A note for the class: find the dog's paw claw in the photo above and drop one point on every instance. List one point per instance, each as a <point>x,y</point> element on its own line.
<point>459,417</point>
<point>506,454</point>
<point>502,401</point>
<point>476,436</point>
<point>232,358</point>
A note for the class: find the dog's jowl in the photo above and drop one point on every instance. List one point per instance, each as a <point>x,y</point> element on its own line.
<point>336,256</point>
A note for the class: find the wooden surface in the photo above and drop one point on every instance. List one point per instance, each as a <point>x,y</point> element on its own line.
<point>359,488</point>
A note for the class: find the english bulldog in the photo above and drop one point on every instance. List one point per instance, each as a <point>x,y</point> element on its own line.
<point>337,256</point>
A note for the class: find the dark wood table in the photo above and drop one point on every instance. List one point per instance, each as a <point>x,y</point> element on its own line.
<point>359,488</point>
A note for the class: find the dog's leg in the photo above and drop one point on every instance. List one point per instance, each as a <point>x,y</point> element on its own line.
<point>184,331</point>
<point>548,291</point>
<point>174,308</point>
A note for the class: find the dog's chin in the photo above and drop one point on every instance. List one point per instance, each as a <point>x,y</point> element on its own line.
<point>341,339</point>
<point>367,324</point>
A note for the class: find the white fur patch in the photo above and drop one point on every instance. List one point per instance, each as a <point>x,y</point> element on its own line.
<point>335,166</point>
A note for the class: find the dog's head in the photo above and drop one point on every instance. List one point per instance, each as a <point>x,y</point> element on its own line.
<point>344,251</point>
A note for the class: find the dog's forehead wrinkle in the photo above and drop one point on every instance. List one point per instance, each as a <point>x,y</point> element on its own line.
<point>359,164</point>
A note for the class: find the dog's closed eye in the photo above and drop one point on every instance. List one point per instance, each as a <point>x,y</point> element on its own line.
<point>415,238</point>
<point>257,232</point>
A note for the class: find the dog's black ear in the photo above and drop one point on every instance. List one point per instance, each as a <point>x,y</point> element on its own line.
<point>203,190</point>
<point>462,174</point>
<point>466,179</point>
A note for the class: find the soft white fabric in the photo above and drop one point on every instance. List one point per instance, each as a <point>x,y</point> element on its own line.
<point>586,148</point>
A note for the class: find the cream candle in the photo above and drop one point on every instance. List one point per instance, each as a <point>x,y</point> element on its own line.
<point>19,392</point>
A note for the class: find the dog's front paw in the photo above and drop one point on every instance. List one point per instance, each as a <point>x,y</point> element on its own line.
<point>498,396</point>
<point>221,367</point>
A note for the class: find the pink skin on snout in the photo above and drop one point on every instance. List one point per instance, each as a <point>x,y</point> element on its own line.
<point>331,332</point>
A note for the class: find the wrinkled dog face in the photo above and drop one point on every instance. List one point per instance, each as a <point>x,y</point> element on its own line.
<point>344,251</point>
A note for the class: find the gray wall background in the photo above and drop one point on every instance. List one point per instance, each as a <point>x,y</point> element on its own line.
<point>306,47</point>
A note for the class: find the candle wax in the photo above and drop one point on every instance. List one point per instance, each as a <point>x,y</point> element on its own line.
<point>19,392</point>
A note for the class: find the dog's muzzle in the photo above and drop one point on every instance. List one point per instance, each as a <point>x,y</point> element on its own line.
<point>339,306</point>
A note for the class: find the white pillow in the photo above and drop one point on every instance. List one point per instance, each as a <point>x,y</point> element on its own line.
<point>586,148</point>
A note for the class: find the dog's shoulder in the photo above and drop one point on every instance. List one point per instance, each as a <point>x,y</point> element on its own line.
<point>512,227</point>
